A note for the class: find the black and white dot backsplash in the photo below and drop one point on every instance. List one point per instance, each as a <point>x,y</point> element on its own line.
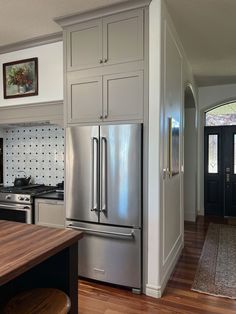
<point>38,151</point>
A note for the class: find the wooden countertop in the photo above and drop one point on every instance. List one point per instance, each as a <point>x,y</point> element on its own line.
<point>24,246</point>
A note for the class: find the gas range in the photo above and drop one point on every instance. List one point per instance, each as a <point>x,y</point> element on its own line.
<point>24,194</point>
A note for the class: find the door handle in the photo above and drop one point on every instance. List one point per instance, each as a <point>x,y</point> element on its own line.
<point>118,234</point>
<point>95,175</point>
<point>165,173</point>
<point>103,174</point>
<point>227,177</point>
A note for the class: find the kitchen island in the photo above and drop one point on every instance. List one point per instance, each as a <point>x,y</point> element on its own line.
<point>38,257</point>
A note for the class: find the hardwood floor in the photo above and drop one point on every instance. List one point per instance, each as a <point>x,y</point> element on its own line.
<point>178,298</point>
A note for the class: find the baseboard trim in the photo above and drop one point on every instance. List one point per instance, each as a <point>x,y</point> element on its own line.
<point>188,216</point>
<point>153,291</point>
<point>157,291</point>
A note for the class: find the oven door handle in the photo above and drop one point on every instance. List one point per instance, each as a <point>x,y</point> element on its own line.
<point>23,208</point>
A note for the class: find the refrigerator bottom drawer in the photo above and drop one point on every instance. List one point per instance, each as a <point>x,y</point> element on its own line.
<point>110,254</point>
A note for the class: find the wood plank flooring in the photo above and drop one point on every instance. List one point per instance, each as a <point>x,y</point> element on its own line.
<point>178,298</point>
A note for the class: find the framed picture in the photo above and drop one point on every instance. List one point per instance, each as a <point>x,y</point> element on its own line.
<point>20,78</point>
<point>173,147</point>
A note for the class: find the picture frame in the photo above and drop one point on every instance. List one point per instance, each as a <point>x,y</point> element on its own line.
<point>174,142</point>
<point>20,78</point>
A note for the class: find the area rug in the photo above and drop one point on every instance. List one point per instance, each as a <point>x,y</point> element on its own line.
<point>216,272</point>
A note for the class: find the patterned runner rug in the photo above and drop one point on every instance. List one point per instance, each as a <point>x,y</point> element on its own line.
<point>216,272</point>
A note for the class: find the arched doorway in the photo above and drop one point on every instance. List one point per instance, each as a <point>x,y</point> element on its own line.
<point>220,161</point>
<point>190,156</point>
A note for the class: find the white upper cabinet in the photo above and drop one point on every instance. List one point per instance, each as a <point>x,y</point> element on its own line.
<point>84,45</point>
<point>84,100</point>
<point>123,96</point>
<point>105,66</point>
<point>123,37</point>
<point>106,41</point>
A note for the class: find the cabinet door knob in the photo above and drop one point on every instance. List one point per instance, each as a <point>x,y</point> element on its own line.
<point>106,116</point>
<point>101,117</point>
<point>105,60</point>
<point>100,61</point>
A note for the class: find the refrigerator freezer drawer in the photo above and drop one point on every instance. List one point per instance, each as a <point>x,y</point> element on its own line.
<point>110,254</point>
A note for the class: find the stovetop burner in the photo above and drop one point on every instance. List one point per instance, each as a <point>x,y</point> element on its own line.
<point>16,189</point>
<point>31,189</point>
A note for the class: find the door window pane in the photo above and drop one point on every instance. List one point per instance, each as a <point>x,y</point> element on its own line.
<point>234,153</point>
<point>213,153</point>
<point>222,115</point>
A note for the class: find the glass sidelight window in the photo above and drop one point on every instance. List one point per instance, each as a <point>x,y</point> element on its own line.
<point>213,153</point>
<point>234,153</point>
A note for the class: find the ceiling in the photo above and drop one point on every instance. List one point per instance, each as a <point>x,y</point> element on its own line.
<point>26,19</point>
<point>207,31</point>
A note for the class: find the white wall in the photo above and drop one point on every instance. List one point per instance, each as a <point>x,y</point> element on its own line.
<point>209,97</point>
<point>169,73</point>
<point>153,275</point>
<point>50,69</point>
<point>190,165</point>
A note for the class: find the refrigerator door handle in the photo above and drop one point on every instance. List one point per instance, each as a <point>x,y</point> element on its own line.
<point>118,234</point>
<point>104,175</point>
<point>95,175</point>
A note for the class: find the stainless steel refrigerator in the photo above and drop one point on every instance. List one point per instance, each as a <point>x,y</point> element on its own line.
<point>104,199</point>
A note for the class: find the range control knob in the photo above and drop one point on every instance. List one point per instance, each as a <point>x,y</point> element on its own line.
<point>8,197</point>
<point>27,199</point>
<point>21,198</point>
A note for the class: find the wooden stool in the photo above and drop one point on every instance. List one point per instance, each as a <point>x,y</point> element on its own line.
<point>39,301</point>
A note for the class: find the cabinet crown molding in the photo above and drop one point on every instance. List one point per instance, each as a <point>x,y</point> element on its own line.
<point>69,20</point>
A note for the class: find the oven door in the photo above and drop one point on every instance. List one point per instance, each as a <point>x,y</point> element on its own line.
<point>16,212</point>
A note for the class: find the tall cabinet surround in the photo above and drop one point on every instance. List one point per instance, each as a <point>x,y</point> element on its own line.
<point>104,63</point>
<point>106,76</point>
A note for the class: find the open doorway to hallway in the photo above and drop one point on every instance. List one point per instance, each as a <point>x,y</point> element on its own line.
<point>220,161</point>
<point>190,156</point>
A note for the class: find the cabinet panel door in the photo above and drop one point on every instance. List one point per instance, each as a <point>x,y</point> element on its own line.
<point>84,45</point>
<point>123,96</point>
<point>50,213</point>
<point>123,37</point>
<point>85,99</point>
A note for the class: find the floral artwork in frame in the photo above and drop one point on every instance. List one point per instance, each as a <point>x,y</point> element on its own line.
<point>20,78</point>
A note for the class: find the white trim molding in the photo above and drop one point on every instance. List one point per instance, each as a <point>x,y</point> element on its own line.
<point>157,291</point>
<point>153,291</point>
<point>30,43</point>
<point>50,112</point>
<point>104,11</point>
<point>189,216</point>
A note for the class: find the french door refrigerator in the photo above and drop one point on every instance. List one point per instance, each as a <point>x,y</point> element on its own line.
<point>104,199</point>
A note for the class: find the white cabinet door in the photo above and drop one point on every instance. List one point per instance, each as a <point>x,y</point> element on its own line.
<point>84,99</point>
<point>123,37</point>
<point>123,96</point>
<point>50,213</point>
<point>84,45</point>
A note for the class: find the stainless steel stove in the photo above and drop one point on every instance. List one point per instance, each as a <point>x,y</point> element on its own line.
<point>16,203</point>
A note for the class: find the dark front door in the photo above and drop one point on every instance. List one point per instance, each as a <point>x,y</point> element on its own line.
<point>1,160</point>
<point>220,171</point>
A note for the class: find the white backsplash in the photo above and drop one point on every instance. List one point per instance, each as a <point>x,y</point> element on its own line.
<point>38,150</point>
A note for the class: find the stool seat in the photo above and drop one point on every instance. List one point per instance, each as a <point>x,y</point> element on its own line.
<point>39,301</point>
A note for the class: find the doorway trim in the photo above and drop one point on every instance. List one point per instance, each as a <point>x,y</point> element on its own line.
<point>200,166</point>
<point>189,91</point>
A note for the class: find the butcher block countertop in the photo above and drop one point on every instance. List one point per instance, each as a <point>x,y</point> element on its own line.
<point>23,246</point>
